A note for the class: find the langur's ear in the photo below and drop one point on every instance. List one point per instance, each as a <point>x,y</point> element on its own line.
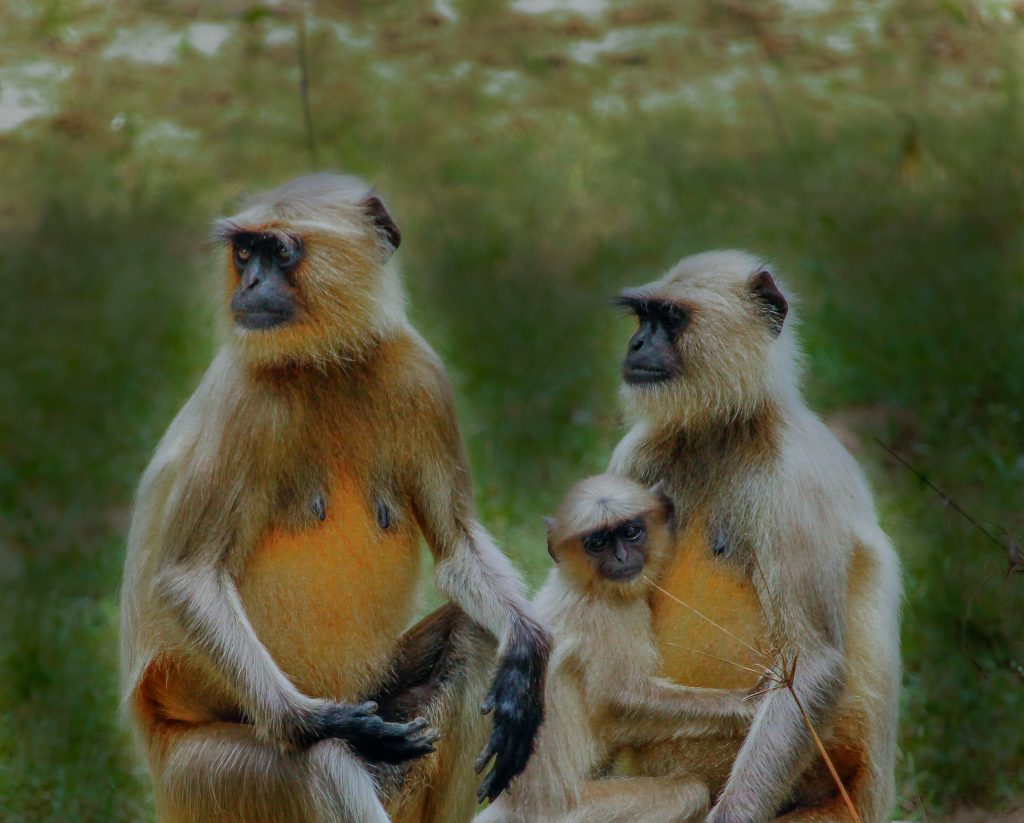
<point>374,208</point>
<point>549,524</point>
<point>658,490</point>
<point>771,300</point>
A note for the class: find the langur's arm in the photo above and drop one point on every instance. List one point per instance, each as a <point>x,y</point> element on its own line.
<point>807,599</point>
<point>476,575</point>
<point>624,457</point>
<point>659,709</point>
<point>199,591</point>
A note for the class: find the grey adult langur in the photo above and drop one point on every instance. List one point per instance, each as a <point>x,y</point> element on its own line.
<point>780,558</point>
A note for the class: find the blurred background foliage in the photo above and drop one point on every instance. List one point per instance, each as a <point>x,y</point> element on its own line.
<point>538,156</point>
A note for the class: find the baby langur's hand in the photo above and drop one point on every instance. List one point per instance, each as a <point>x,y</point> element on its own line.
<point>369,735</point>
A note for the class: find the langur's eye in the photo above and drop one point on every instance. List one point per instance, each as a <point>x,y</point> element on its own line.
<point>632,533</point>
<point>675,317</point>
<point>284,254</point>
<point>242,254</point>
<point>595,542</point>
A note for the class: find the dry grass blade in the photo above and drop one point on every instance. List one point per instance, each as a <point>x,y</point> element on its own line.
<point>790,679</point>
<point>701,615</point>
<point>1012,549</point>
<point>760,672</point>
<point>946,499</point>
<point>307,109</point>
<point>778,675</point>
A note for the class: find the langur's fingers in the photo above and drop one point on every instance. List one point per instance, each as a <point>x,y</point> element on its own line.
<point>415,725</point>
<point>484,758</point>
<point>488,705</point>
<point>369,707</point>
<point>411,751</point>
<point>484,792</point>
<point>420,749</point>
<point>494,784</point>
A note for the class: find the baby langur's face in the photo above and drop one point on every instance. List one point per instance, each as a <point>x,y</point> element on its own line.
<point>619,551</point>
<point>608,531</point>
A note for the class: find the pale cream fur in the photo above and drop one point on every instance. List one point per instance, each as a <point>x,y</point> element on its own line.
<point>349,403</point>
<point>602,691</point>
<point>733,441</point>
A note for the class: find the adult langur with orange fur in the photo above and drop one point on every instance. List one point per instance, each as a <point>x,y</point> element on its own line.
<point>273,555</point>
<point>609,537</point>
<point>779,546</point>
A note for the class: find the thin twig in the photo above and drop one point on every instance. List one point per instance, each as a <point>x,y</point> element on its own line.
<point>920,805</point>
<point>817,742</point>
<point>702,615</point>
<point>1012,551</point>
<point>761,673</point>
<point>782,677</point>
<point>764,691</point>
<point>967,619</point>
<point>949,501</point>
<point>787,144</point>
<point>307,111</point>
<point>776,609</point>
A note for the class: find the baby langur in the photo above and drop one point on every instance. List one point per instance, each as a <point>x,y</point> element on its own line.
<point>609,538</point>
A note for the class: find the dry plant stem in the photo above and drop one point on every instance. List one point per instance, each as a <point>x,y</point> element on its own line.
<point>817,742</point>
<point>967,619</point>
<point>946,499</point>
<point>760,673</point>
<point>307,111</point>
<point>782,678</point>
<point>701,615</point>
<point>1014,554</point>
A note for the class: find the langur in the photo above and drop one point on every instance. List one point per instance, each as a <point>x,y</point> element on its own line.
<point>609,538</point>
<point>273,556</point>
<point>781,562</point>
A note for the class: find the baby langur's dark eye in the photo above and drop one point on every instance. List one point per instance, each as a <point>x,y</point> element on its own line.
<point>595,542</point>
<point>632,533</point>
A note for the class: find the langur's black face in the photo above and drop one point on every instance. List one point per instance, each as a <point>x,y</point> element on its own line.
<point>265,263</point>
<point>618,552</point>
<point>652,355</point>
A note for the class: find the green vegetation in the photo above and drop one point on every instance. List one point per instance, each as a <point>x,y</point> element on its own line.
<point>536,162</point>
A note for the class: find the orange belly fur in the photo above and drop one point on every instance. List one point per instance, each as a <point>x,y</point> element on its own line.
<point>329,600</point>
<point>694,651</point>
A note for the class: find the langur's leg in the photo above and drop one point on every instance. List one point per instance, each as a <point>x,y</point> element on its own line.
<point>650,799</point>
<point>833,810</point>
<point>212,766</point>
<point>819,798</point>
<point>441,671</point>
<point>223,772</point>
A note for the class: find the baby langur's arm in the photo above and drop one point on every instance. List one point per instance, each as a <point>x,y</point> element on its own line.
<point>658,709</point>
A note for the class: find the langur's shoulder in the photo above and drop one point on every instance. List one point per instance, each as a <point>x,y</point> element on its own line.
<point>816,483</point>
<point>416,372</point>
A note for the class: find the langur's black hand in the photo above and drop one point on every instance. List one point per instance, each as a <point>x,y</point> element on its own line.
<point>516,703</point>
<point>370,736</point>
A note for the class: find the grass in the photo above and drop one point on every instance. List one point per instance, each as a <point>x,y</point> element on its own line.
<point>877,164</point>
